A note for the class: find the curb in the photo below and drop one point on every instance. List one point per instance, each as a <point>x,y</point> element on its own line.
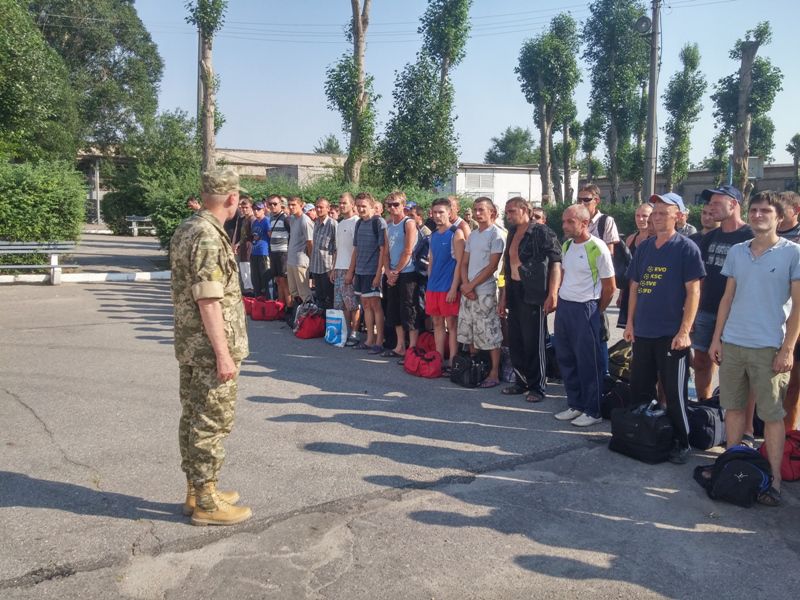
<point>89,277</point>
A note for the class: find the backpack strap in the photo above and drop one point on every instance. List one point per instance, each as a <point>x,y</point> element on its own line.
<point>601,226</point>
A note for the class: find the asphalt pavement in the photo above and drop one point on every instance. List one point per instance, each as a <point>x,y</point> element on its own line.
<point>364,482</point>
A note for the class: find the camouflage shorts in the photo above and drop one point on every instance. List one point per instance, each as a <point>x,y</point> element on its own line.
<point>207,418</point>
<point>478,322</point>
<point>344,296</point>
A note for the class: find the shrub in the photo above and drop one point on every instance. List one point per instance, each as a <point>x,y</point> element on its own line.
<point>166,217</point>
<point>118,205</point>
<point>40,202</point>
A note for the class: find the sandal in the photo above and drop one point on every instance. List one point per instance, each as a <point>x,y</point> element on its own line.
<point>771,497</point>
<point>513,390</point>
<point>534,397</point>
<point>749,441</point>
<point>376,349</point>
<point>445,372</point>
<point>361,346</point>
<point>489,383</point>
<point>391,354</point>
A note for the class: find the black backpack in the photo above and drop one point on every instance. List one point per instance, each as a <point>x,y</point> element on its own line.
<point>738,476</point>
<point>622,254</point>
<point>469,371</point>
<point>619,396</point>
<point>420,253</point>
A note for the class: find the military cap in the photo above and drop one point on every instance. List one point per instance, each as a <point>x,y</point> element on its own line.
<point>221,181</point>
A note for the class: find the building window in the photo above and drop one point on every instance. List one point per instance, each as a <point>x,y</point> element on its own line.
<point>474,195</point>
<point>480,181</point>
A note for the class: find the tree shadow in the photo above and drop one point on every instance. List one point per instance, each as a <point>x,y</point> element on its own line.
<point>20,490</point>
<point>147,307</point>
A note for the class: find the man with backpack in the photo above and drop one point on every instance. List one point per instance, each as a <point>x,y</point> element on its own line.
<point>664,293</point>
<point>757,327</point>
<point>478,321</point>
<point>400,275</point>
<point>366,269</point>
<point>587,287</point>
<point>532,275</point>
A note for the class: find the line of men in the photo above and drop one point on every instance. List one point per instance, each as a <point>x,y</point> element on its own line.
<point>355,261</point>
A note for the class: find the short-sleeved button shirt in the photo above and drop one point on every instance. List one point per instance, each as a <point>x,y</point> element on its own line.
<point>204,267</point>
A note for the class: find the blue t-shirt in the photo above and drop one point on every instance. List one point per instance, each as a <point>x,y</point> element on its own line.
<point>662,274</point>
<point>762,300</point>
<point>443,267</point>
<point>260,231</point>
<point>368,239</point>
<point>397,243</point>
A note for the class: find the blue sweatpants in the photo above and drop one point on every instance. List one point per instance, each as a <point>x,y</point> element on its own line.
<point>577,344</point>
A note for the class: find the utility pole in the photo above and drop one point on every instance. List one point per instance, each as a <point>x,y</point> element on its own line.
<point>199,113</point>
<point>650,149</point>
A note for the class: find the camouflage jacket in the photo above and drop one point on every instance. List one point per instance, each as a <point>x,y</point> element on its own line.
<point>204,267</point>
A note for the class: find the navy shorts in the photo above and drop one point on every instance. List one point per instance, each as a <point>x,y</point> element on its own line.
<point>703,330</point>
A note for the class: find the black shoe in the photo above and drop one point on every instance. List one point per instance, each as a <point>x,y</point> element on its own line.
<point>678,455</point>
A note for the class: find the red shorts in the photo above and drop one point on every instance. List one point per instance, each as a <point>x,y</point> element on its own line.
<point>436,304</point>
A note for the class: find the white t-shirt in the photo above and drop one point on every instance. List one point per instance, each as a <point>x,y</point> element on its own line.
<point>577,284</point>
<point>481,245</point>
<point>344,242</point>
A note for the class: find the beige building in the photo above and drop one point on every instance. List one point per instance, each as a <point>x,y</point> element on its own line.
<point>777,177</point>
<point>300,167</point>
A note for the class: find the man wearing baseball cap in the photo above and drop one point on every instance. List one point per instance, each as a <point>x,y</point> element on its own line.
<point>210,344</point>
<point>664,277</point>
<point>724,202</point>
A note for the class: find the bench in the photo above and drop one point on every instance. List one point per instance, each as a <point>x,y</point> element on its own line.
<point>137,223</point>
<point>51,248</point>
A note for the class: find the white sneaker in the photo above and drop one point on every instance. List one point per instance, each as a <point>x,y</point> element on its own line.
<point>568,415</point>
<point>585,421</point>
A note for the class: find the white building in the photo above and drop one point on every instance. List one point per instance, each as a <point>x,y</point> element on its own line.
<point>500,182</point>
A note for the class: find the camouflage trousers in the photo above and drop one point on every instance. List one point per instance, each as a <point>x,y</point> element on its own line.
<point>206,420</point>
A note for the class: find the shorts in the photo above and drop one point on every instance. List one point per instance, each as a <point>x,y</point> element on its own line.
<point>703,330</point>
<point>299,286</point>
<point>436,304</point>
<point>362,284</point>
<point>479,323</point>
<point>344,295</point>
<point>401,302</point>
<point>277,262</point>
<point>743,369</point>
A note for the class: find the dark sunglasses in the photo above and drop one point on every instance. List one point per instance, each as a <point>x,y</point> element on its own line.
<point>535,216</point>
<point>586,199</point>
<point>393,204</point>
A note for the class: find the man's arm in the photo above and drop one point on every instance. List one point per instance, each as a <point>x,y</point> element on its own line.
<point>784,359</point>
<point>681,340</point>
<point>608,287</point>
<point>715,349</point>
<point>383,258</point>
<point>351,270</point>
<point>553,283</point>
<point>458,249</point>
<point>211,315</point>
<point>410,240</point>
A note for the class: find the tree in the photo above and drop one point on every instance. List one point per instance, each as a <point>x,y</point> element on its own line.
<point>565,152</point>
<point>682,100</point>
<point>209,17</point>
<point>358,120</point>
<point>113,64</point>
<point>745,95</point>
<point>793,148</point>
<point>592,130</point>
<point>445,29</point>
<point>419,146</point>
<point>515,146</point>
<point>619,59</point>
<point>717,163</point>
<point>328,145</point>
<point>548,73</point>
<point>38,111</point>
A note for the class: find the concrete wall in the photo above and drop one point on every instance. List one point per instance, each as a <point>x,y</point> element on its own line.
<point>777,177</point>
<point>301,167</point>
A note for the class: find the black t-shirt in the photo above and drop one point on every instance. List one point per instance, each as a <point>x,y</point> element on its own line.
<point>714,247</point>
<point>793,234</point>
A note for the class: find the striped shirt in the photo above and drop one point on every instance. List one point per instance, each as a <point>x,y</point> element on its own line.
<point>324,247</point>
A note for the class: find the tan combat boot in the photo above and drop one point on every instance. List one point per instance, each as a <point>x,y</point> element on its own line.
<point>211,509</point>
<point>230,497</point>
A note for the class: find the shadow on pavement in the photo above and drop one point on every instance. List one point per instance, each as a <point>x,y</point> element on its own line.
<point>146,306</point>
<point>20,490</point>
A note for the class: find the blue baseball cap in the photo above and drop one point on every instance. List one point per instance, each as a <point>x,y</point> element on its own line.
<point>410,204</point>
<point>723,190</point>
<point>308,207</point>
<point>669,198</point>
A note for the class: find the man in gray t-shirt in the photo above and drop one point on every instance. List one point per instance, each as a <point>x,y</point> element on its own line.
<point>478,321</point>
<point>301,235</point>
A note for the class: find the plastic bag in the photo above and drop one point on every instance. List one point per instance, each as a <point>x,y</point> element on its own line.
<point>335,328</point>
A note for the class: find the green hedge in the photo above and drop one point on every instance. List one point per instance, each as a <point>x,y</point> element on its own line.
<point>623,215</point>
<point>118,205</point>
<point>40,202</point>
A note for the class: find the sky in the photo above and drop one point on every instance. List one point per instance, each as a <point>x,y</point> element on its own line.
<point>272,56</point>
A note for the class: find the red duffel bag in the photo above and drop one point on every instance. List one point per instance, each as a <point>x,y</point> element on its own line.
<point>420,363</point>
<point>311,326</point>
<point>248,304</point>
<point>790,464</point>
<point>266,310</point>
<point>427,342</point>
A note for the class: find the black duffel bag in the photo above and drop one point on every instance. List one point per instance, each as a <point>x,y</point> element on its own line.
<point>469,371</point>
<point>642,432</point>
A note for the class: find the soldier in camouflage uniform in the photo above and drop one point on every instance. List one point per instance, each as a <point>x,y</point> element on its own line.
<point>210,343</point>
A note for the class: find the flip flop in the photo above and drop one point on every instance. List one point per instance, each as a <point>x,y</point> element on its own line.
<point>391,354</point>
<point>489,383</point>
<point>513,390</point>
<point>534,397</point>
<point>376,349</point>
<point>361,346</point>
<point>771,497</point>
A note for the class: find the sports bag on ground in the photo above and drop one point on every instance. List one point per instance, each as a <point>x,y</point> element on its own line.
<point>419,363</point>
<point>310,326</point>
<point>469,371</point>
<point>738,476</point>
<point>306,308</point>
<point>641,433</point>
<point>790,464</point>
<point>248,302</point>
<point>619,360</point>
<point>266,310</point>
<point>619,396</point>
<point>706,424</point>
